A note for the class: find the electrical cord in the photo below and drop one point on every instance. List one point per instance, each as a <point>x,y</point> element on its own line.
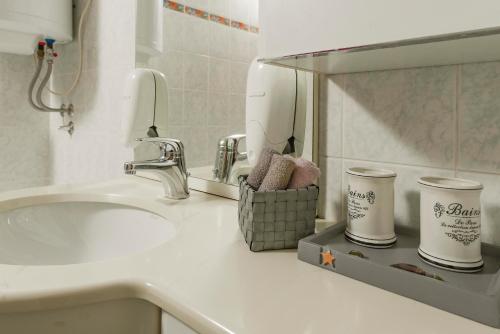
<point>80,48</point>
<point>290,145</point>
<point>153,131</point>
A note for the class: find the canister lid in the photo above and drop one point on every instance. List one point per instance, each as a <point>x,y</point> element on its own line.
<point>370,172</point>
<point>450,183</point>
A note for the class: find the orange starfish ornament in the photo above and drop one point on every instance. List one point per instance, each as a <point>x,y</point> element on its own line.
<point>327,258</point>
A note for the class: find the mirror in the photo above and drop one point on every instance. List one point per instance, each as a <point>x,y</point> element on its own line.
<point>208,50</point>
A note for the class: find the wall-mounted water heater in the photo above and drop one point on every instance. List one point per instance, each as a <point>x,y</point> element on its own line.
<point>25,22</point>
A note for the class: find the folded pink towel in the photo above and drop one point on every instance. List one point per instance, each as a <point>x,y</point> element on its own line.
<point>305,174</point>
<point>279,173</point>
<point>259,172</point>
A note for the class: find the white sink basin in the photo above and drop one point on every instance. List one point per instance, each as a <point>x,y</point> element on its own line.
<point>78,232</point>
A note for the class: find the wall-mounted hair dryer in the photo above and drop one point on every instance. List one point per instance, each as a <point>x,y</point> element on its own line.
<point>145,105</point>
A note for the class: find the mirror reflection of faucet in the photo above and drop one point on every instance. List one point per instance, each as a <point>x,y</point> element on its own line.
<point>230,162</point>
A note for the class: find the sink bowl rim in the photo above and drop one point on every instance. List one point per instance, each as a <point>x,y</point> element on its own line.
<point>156,207</point>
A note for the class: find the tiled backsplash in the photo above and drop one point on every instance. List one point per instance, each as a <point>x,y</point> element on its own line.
<point>206,65</point>
<point>24,132</point>
<point>427,121</point>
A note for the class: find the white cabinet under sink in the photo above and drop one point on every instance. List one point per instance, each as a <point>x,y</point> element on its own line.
<point>127,316</point>
<point>298,27</point>
<point>171,325</point>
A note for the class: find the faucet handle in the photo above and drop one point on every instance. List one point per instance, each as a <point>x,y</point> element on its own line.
<point>175,144</point>
<point>176,152</point>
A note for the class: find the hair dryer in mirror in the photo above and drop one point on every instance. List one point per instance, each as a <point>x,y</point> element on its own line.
<point>275,110</point>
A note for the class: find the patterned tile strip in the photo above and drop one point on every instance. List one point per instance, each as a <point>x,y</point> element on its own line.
<point>220,19</point>
<point>254,29</point>
<point>174,6</point>
<point>239,25</point>
<point>207,16</point>
<point>196,12</point>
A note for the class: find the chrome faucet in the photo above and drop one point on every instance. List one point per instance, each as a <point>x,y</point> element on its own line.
<point>170,167</point>
<point>227,156</point>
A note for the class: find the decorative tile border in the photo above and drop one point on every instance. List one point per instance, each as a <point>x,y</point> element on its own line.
<point>172,5</point>
<point>220,19</point>
<point>196,12</point>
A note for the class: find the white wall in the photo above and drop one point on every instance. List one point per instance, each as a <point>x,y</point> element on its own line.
<point>441,121</point>
<point>95,152</point>
<point>24,132</point>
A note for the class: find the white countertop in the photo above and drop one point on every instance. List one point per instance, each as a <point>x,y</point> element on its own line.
<point>207,277</point>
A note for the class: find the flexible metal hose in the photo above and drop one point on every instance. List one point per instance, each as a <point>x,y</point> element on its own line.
<point>42,86</point>
<point>32,85</point>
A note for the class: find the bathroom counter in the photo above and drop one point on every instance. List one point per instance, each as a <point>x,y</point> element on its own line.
<point>207,277</point>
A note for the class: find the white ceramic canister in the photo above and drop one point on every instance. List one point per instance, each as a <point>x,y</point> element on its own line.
<point>370,207</point>
<point>450,223</point>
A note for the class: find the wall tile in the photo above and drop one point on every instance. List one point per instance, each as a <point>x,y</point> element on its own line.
<point>24,132</point>
<point>175,107</point>
<point>253,51</point>
<point>196,146</point>
<point>196,35</point>
<point>330,115</point>
<point>239,45</point>
<point>239,10</point>
<point>218,109</point>
<point>214,134</point>
<point>15,74</point>
<point>218,75</point>
<point>173,30</point>
<point>198,4</point>
<point>237,113</point>
<point>406,189</point>
<point>238,77</point>
<point>195,72</point>
<point>219,7</point>
<point>490,206</point>
<point>11,184</point>
<point>176,131</point>
<point>171,63</point>
<point>25,153</point>
<point>220,36</point>
<point>253,13</point>
<point>330,203</point>
<point>403,116</point>
<point>479,115</point>
<point>195,108</point>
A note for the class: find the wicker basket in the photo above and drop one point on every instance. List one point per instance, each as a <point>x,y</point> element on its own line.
<point>276,219</point>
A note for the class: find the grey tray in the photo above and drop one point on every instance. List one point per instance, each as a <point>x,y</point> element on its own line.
<point>475,296</point>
